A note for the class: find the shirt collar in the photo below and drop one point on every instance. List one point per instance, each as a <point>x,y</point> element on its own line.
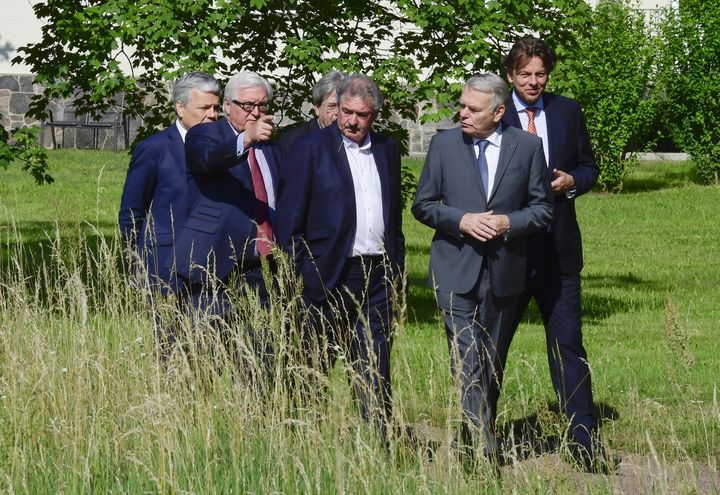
<point>493,138</point>
<point>180,129</point>
<point>521,105</point>
<point>364,148</point>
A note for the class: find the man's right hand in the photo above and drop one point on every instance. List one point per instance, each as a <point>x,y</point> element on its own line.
<point>258,131</point>
<point>484,226</point>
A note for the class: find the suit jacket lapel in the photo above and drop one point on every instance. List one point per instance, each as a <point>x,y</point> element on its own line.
<point>177,148</point>
<point>343,166</point>
<point>508,145</point>
<point>553,121</point>
<point>511,117</point>
<point>379,152</point>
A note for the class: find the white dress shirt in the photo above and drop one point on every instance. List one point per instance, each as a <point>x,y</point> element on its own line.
<point>492,155</point>
<point>370,225</point>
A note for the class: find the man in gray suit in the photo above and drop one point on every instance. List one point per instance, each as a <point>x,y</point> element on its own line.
<point>484,188</point>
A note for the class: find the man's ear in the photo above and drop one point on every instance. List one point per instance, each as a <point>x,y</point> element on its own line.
<point>179,109</point>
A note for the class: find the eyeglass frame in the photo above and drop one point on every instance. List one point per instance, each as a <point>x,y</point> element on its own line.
<point>249,106</point>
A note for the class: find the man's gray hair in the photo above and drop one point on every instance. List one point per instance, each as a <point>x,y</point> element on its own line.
<point>359,85</point>
<point>327,83</point>
<point>247,79</point>
<point>492,84</point>
<point>194,80</point>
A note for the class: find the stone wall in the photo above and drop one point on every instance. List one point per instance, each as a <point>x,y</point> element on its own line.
<point>16,92</point>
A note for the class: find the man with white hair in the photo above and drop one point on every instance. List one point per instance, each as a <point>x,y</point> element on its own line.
<point>229,229</point>
<point>154,198</point>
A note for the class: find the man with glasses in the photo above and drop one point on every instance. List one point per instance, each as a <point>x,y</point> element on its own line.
<point>230,225</point>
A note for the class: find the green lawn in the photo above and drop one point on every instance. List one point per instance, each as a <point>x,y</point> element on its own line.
<point>112,421</point>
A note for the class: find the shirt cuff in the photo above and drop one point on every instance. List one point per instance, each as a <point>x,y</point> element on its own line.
<point>240,144</point>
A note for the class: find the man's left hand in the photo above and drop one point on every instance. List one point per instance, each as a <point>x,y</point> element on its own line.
<point>561,182</point>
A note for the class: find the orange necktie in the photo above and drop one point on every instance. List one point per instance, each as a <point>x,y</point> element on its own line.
<point>531,120</point>
<point>262,212</point>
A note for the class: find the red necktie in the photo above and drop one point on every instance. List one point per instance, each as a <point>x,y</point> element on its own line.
<point>262,212</point>
<point>531,120</point>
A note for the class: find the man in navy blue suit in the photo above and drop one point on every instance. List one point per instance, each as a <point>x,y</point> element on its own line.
<point>154,198</point>
<point>341,222</point>
<point>555,254</point>
<point>230,225</point>
<point>233,166</point>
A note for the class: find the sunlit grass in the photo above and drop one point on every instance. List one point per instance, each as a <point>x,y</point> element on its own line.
<point>86,406</point>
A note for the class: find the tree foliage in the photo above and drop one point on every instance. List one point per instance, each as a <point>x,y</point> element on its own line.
<point>22,146</point>
<point>690,78</point>
<point>417,50</point>
<point>612,76</point>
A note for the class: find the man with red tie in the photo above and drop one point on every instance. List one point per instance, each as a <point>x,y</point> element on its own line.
<point>229,227</point>
<point>555,254</point>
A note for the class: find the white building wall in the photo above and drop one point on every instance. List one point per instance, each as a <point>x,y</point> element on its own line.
<point>18,27</point>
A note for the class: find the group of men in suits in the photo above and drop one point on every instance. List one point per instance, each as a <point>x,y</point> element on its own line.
<point>499,191</point>
<point>502,202</point>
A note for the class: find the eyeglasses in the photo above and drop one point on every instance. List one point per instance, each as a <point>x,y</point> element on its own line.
<point>249,106</point>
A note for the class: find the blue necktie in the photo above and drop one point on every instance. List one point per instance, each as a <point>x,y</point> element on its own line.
<point>483,165</point>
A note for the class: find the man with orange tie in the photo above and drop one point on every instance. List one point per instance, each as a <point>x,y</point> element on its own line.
<point>229,228</point>
<point>555,254</point>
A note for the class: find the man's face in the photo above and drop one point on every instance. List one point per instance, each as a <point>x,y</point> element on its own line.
<point>477,118</point>
<point>202,107</point>
<point>327,110</point>
<point>529,80</point>
<point>254,98</point>
<point>355,116</point>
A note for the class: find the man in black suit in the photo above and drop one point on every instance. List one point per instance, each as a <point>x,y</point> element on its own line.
<point>555,254</point>
<point>341,222</point>
<point>324,100</point>
<point>483,189</point>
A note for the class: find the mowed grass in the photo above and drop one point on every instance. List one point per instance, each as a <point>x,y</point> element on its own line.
<point>85,407</point>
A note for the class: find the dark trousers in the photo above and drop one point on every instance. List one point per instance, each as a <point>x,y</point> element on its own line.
<point>478,326</point>
<point>354,321</point>
<point>250,351</point>
<point>558,297</point>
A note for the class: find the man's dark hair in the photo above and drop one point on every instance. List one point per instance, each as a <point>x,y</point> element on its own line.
<point>524,50</point>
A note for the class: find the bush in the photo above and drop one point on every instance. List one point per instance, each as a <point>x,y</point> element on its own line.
<point>689,78</point>
<point>612,77</point>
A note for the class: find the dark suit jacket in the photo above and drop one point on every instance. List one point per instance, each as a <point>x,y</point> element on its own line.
<point>290,136</point>
<point>154,199</point>
<point>317,217</point>
<point>570,151</point>
<point>220,229</point>
<point>450,186</point>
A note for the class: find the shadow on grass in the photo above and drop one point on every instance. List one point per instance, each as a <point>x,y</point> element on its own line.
<point>38,249</point>
<point>532,436</point>
<point>654,176</point>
